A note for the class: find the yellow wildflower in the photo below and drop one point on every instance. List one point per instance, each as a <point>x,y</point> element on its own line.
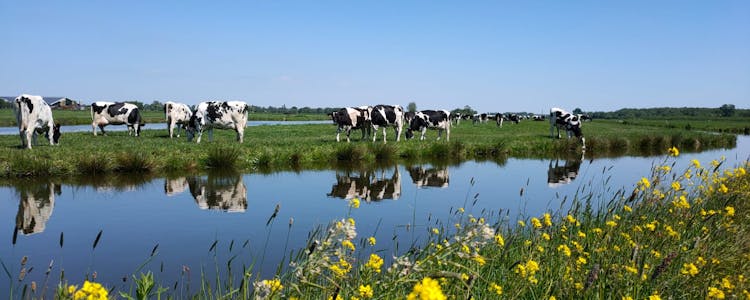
<point>536,223</point>
<point>435,231</point>
<point>90,290</point>
<point>375,262</point>
<point>673,151</point>
<point>723,189</point>
<point>348,244</point>
<point>350,221</point>
<point>479,259</point>
<point>546,236</point>
<point>627,298</point>
<point>681,203</point>
<point>726,283</point>
<point>564,249</point>
<point>496,288</point>
<point>427,289</point>
<point>371,240</point>
<point>499,240</point>
<point>644,182</point>
<point>627,208</point>
<point>581,234</point>
<point>696,163</point>
<point>689,269</point>
<point>547,220</point>
<point>570,219</point>
<point>631,269</point>
<point>715,293</point>
<point>611,223</point>
<point>581,260</point>
<point>656,254</point>
<point>676,186</point>
<point>354,203</point>
<point>654,297</point>
<point>730,211</point>
<point>464,277</point>
<point>597,230</point>
<point>365,291</point>
<point>461,209</point>
<point>521,223</point>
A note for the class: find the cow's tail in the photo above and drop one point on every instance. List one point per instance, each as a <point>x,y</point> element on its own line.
<point>167,108</point>
<point>92,111</point>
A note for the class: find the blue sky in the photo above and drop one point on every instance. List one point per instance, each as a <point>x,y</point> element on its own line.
<point>490,55</point>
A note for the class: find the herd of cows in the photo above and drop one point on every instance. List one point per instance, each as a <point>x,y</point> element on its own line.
<point>34,116</point>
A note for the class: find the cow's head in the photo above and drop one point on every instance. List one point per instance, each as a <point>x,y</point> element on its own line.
<point>55,134</point>
<point>418,121</point>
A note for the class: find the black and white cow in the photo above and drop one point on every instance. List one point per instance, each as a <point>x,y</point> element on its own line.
<point>561,119</point>
<point>562,173</point>
<point>456,117</point>
<point>367,185</point>
<point>479,118</point>
<point>384,116</point>
<point>37,201</point>
<point>217,114</point>
<point>499,119</point>
<point>106,113</point>
<point>177,115</point>
<point>433,119</point>
<point>349,118</point>
<point>33,116</point>
<point>514,118</point>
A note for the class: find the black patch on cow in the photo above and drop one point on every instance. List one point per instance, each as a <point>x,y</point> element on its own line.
<point>342,117</point>
<point>379,119</point>
<point>98,109</point>
<point>134,117</point>
<point>116,109</point>
<point>28,103</point>
<point>214,111</point>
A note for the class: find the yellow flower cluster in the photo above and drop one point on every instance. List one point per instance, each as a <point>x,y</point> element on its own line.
<point>274,284</point>
<point>89,291</point>
<point>348,244</point>
<point>689,269</point>
<point>499,240</point>
<point>497,289</point>
<point>673,151</point>
<point>528,270</point>
<point>371,240</point>
<point>341,268</point>
<point>354,203</point>
<point>375,262</point>
<point>365,291</point>
<point>427,289</point>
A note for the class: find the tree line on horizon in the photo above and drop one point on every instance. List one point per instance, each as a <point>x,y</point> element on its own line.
<point>726,110</point>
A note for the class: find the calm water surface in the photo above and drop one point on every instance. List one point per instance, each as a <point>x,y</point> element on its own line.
<point>185,215</point>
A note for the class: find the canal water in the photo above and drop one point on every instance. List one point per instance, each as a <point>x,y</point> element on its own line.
<point>56,221</point>
<point>87,128</point>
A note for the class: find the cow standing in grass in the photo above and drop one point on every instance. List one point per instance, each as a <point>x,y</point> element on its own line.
<point>433,119</point>
<point>561,119</point>
<point>384,116</point>
<point>33,116</point>
<point>111,113</point>
<point>177,115</point>
<point>349,118</point>
<point>217,114</point>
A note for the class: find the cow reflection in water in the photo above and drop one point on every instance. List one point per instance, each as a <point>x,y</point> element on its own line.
<point>224,192</point>
<point>174,186</point>
<point>424,176</point>
<point>367,185</point>
<point>563,172</point>
<point>36,205</point>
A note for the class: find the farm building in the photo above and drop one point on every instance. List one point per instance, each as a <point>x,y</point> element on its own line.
<point>62,103</point>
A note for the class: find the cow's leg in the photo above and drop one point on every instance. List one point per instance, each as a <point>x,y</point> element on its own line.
<point>101,127</point>
<point>200,134</point>
<point>93,126</point>
<point>170,128</point>
<point>423,132</point>
<point>51,134</point>
<point>28,134</point>
<point>240,133</point>
<point>137,129</point>
<point>374,133</point>
<point>398,133</point>
<point>348,132</point>
<point>385,128</point>
<point>22,134</point>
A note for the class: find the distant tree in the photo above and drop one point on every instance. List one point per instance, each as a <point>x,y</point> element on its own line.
<point>411,107</point>
<point>577,111</point>
<point>4,103</point>
<point>155,106</point>
<point>136,103</point>
<point>727,110</point>
<point>467,110</point>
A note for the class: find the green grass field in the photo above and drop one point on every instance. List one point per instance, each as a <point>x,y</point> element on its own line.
<point>284,147</point>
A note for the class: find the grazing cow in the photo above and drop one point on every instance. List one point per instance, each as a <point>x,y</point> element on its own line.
<point>424,176</point>
<point>434,119</point>
<point>217,114</point>
<point>559,118</point>
<point>538,118</point>
<point>349,118</point>
<point>384,116</point>
<point>514,118</point>
<point>219,192</point>
<point>33,116</point>
<point>456,117</point>
<point>106,113</point>
<point>176,114</point>
<point>585,117</point>
<point>37,202</point>
<point>367,185</point>
<point>499,119</point>
<point>479,118</point>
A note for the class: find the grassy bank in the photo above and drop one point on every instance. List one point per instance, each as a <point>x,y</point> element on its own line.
<point>83,117</point>
<point>676,234</point>
<point>295,147</point>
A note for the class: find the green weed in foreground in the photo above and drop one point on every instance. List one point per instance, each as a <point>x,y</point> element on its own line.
<point>677,234</point>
